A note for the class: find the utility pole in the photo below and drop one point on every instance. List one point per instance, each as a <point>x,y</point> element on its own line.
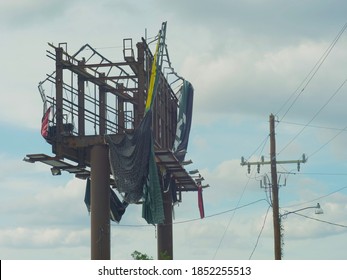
<point>275,200</point>
<point>274,185</point>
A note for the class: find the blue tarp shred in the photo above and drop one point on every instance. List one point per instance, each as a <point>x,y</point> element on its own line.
<point>117,208</point>
<point>87,195</point>
<point>134,169</point>
<point>129,160</point>
<point>184,120</point>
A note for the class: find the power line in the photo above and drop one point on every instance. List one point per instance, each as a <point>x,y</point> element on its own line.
<point>315,115</point>
<point>315,126</point>
<point>221,213</point>
<point>262,144</point>
<point>316,67</point>
<point>313,200</point>
<point>312,73</point>
<point>231,218</point>
<point>261,231</point>
<point>323,174</point>
<point>198,219</point>
<point>313,173</point>
<point>331,139</point>
<point>319,220</point>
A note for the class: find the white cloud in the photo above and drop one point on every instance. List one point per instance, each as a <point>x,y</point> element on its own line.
<point>25,237</point>
<point>256,82</point>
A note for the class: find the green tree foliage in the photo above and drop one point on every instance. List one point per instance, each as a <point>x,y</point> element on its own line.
<point>140,256</point>
<point>164,256</point>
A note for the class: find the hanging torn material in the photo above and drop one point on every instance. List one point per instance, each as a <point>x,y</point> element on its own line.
<point>87,195</point>
<point>201,202</point>
<point>152,208</point>
<point>169,185</point>
<point>184,120</point>
<point>129,160</point>
<point>45,123</point>
<point>117,208</point>
<point>135,171</point>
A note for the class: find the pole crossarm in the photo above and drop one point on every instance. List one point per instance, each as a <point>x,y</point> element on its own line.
<point>262,162</point>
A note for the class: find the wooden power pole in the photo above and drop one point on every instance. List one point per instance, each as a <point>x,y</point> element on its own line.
<point>274,185</point>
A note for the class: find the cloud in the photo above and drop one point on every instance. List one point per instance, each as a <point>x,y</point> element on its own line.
<point>48,205</point>
<point>252,82</point>
<point>34,197</point>
<point>47,237</point>
<point>268,20</point>
<point>19,13</point>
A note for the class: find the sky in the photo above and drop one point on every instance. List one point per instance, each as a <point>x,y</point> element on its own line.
<point>246,60</point>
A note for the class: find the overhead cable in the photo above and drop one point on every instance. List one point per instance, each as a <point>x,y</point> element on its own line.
<point>315,115</point>
<point>199,219</point>
<point>315,126</point>
<point>322,221</point>
<point>303,85</point>
<point>313,200</point>
<point>261,231</point>
<point>326,143</point>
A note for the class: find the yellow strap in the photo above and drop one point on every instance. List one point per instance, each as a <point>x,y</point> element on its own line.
<point>152,79</point>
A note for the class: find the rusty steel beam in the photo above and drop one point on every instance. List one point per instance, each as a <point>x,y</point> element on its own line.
<point>96,80</point>
<point>100,203</point>
<point>165,233</point>
<point>102,107</point>
<point>88,140</point>
<point>59,100</point>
